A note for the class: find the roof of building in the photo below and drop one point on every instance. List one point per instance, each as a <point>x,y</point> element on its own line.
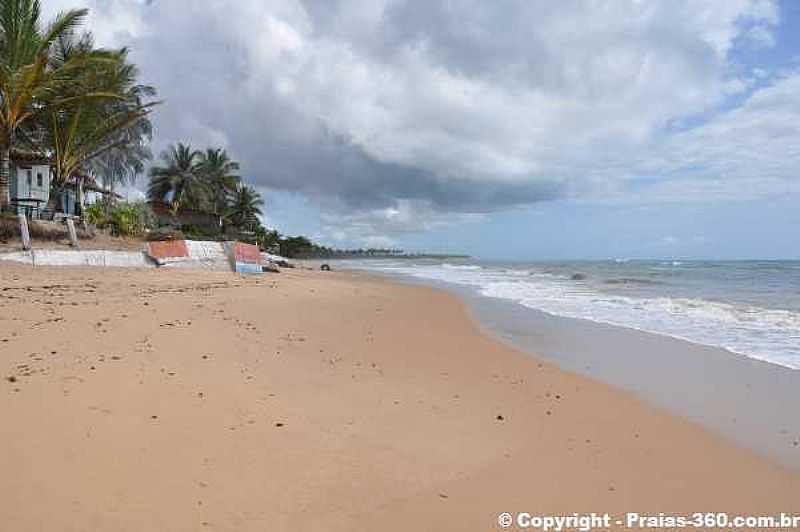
<point>29,157</point>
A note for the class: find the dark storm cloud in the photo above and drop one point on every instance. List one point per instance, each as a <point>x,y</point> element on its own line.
<point>207,81</point>
<point>435,107</point>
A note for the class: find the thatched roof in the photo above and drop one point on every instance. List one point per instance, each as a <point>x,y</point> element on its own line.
<point>19,156</point>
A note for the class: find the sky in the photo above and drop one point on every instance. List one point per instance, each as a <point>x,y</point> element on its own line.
<point>515,129</point>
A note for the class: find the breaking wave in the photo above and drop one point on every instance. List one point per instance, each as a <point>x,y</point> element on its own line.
<point>767,334</point>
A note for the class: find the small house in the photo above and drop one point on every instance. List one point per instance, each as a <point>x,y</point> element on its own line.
<point>31,187</point>
<point>30,179</point>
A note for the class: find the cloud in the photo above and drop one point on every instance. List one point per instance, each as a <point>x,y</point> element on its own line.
<point>749,152</point>
<point>113,22</point>
<point>437,110</point>
<point>383,226</point>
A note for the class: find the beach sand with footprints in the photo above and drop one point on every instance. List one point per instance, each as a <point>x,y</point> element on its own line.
<point>176,400</point>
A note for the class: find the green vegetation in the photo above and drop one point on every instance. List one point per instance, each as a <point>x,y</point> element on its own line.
<point>123,219</point>
<point>244,208</point>
<point>62,97</point>
<point>191,181</point>
<point>179,181</point>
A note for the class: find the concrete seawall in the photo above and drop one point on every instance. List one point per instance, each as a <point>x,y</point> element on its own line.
<point>98,258</point>
<point>186,254</point>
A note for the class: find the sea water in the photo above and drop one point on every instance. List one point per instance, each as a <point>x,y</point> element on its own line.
<point>747,307</point>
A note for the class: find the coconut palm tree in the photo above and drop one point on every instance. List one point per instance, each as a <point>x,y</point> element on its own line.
<point>179,181</point>
<point>121,165</point>
<point>88,128</point>
<point>245,208</point>
<point>220,172</point>
<point>31,84</point>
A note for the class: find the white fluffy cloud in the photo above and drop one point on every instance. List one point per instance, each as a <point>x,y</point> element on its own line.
<point>113,22</point>
<point>427,108</point>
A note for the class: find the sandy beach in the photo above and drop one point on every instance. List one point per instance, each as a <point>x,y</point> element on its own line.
<point>176,401</point>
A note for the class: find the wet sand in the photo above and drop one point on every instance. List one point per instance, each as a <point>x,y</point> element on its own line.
<point>174,400</point>
<point>750,401</point>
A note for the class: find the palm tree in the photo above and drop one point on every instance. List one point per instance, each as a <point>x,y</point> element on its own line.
<point>31,84</point>
<point>122,164</point>
<point>129,147</point>
<point>220,173</point>
<point>88,128</point>
<point>245,208</point>
<point>179,182</point>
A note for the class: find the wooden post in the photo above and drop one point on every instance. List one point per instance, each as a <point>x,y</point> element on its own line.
<point>73,235</point>
<point>24,233</point>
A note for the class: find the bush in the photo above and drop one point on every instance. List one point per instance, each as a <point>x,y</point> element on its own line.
<point>147,218</point>
<point>131,219</point>
<point>164,233</point>
<point>125,221</point>
<point>96,215</point>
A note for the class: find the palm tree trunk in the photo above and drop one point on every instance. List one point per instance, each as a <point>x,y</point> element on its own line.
<point>5,178</point>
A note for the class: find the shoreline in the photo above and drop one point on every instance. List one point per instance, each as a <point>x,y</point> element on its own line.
<point>701,302</point>
<point>193,400</point>
<point>743,398</point>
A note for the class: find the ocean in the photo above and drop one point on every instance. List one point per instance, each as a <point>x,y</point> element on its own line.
<point>747,307</point>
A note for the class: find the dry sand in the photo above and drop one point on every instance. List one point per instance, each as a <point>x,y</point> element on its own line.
<point>177,401</point>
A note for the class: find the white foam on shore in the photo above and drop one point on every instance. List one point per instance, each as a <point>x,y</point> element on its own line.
<point>770,335</point>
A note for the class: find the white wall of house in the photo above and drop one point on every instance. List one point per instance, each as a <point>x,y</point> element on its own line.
<point>30,187</point>
<point>32,182</point>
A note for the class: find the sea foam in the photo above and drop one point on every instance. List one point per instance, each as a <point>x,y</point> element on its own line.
<point>768,334</point>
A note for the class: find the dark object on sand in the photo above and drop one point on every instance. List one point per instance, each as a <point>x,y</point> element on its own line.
<point>500,418</point>
<point>578,277</point>
<point>325,268</point>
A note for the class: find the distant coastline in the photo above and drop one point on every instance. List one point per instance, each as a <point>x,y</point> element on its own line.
<point>367,254</point>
